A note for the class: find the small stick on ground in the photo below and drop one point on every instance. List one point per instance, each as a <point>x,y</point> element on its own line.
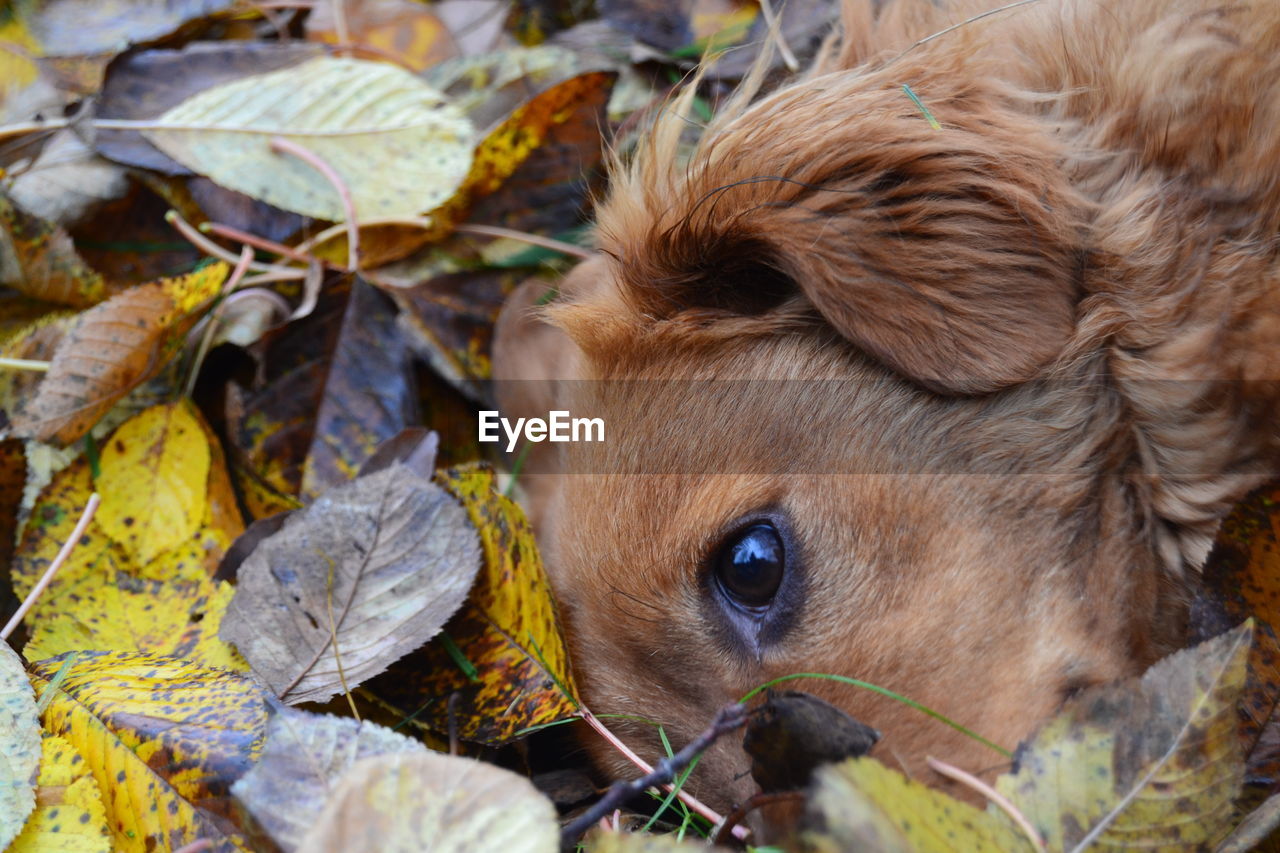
<point>288,146</point>
<point>36,591</point>
<point>532,239</point>
<point>729,718</point>
<point>968,779</point>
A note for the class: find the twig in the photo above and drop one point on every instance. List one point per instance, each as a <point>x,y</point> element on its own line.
<point>204,244</point>
<point>1002,802</point>
<point>532,239</point>
<point>729,718</point>
<point>308,246</point>
<point>269,277</point>
<point>25,364</point>
<point>206,340</point>
<point>229,232</point>
<point>47,577</point>
<point>720,835</point>
<point>340,25</point>
<point>288,146</point>
<point>775,32</point>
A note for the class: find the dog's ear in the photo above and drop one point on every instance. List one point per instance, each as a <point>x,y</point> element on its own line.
<point>952,254</point>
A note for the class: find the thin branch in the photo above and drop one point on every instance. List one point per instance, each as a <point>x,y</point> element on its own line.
<point>24,364</point>
<point>729,718</point>
<point>532,239</point>
<point>41,585</point>
<point>228,232</point>
<point>1002,802</point>
<point>288,146</point>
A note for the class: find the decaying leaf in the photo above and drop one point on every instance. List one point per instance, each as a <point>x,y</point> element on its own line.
<point>425,800</point>
<point>163,738</point>
<point>86,27</point>
<point>19,745</point>
<point>303,759</point>
<point>38,259</point>
<point>67,182</point>
<point>1157,759</point>
<point>69,817</point>
<point>793,733</point>
<point>398,146</point>
<point>132,593</point>
<point>112,348</point>
<point>402,29</point>
<point>350,584</point>
<point>508,632</point>
<point>860,804</point>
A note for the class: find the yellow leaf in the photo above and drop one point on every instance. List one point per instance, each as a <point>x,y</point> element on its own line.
<point>153,476</point>
<point>163,738</point>
<point>397,144</point>
<point>70,817</point>
<point>18,49</point>
<point>508,631</point>
<point>111,349</point>
<point>103,598</point>
<point>860,804</point>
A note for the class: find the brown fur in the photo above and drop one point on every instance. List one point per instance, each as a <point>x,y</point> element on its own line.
<point>1047,333</point>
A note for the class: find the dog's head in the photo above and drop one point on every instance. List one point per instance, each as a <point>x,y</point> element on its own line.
<point>872,409</point>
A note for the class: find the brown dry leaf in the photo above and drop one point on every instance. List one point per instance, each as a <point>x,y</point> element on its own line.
<point>350,584</point>
<point>427,801</point>
<point>37,258</point>
<point>403,31</point>
<point>503,654</point>
<point>112,348</point>
<point>302,761</point>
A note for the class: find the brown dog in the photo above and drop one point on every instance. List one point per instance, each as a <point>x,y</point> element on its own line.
<point>953,398</point>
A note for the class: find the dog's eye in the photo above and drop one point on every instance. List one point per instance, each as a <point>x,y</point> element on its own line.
<point>750,566</point>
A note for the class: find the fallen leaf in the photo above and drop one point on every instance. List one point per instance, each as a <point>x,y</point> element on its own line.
<point>355,581</point>
<point>105,597</point>
<point>401,30</point>
<point>18,50</point>
<point>69,815</point>
<point>793,733</point>
<point>859,804</point>
<point>67,183</point>
<point>38,259</point>
<point>302,760</point>
<point>508,631</point>
<point>445,803</point>
<point>13,481</point>
<point>399,147</point>
<point>1156,759</point>
<point>153,475</point>
<point>163,738</point>
<point>143,85</point>
<point>112,348</point>
<point>19,746</point>
<point>87,27</point>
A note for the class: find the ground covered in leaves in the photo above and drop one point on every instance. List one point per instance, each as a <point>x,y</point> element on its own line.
<point>261,589</point>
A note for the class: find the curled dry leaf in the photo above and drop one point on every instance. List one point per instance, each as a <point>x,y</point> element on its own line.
<point>39,259</point>
<point>19,745</point>
<point>1156,759</point>
<point>302,760</point>
<point>112,348</point>
<point>164,739</point>
<point>147,590</point>
<point>399,147</point>
<point>69,814</point>
<point>428,801</point>
<point>508,633</point>
<point>360,578</point>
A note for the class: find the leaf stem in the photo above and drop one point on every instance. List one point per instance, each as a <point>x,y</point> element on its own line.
<point>41,585</point>
<point>287,146</point>
<point>532,239</point>
<point>24,364</point>
<point>211,327</point>
<point>1001,801</point>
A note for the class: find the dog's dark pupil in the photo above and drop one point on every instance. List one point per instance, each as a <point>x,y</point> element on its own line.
<point>751,566</point>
